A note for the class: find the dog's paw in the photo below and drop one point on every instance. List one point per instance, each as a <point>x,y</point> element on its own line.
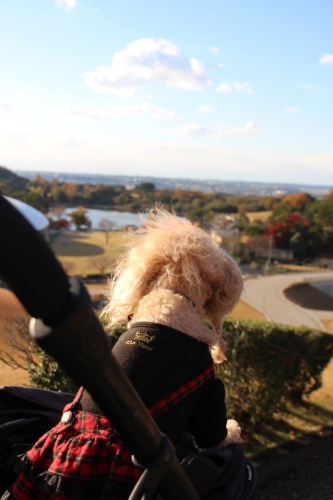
<point>234,433</point>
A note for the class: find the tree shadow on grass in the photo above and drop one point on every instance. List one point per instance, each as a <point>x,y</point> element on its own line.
<point>296,422</point>
<point>78,249</point>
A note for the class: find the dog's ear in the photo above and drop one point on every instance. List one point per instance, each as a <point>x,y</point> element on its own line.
<point>226,290</point>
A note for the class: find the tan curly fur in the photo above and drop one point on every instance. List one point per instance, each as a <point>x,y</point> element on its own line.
<point>168,261</point>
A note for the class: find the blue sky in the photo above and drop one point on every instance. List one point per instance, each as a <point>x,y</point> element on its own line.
<point>209,89</point>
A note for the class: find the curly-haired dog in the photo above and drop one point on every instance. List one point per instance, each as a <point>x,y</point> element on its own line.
<point>169,281</point>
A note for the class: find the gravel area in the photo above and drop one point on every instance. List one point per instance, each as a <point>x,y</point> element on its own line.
<point>312,480</point>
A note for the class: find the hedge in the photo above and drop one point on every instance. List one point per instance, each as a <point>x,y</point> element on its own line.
<point>270,364</point>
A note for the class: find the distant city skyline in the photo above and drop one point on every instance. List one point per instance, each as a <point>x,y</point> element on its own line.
<point>185,89</point>
<point>208,185</point>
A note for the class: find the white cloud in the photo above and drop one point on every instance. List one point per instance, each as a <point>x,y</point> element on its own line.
<point>225,87</point>
<point>215,50</point>
<point>204,109</point>
<point>195,129</point>
<point>68,4</point>
<point>313,87</point>
<point>148,60</point>
<point>74,143</point>
<point>221,65</point>
<point>292,109</point>
<point>250,129</point>
<point>243,87</point>
<point>327,59</point>
<point>81,113</point>
<point>5,108</point>
<point>191,130</point>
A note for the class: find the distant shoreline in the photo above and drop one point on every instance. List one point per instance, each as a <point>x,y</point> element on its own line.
<point>211,186</point>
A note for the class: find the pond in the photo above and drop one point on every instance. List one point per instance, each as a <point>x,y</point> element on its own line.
<point>120,218</point>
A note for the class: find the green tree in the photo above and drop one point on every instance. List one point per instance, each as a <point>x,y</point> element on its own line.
<point>79,217</point>
<point>144,187</point>
<point>281,212</point>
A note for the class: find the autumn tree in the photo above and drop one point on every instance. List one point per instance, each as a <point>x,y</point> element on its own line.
<point>79,217</point>
<point>298,201</point>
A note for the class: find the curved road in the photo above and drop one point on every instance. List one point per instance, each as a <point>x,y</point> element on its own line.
<point>264,293</point>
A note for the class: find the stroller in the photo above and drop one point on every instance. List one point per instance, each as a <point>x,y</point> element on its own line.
<point>69,331</point>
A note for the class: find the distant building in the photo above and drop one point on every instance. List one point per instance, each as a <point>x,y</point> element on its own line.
<point>260,246</point>
<point>224,233</point>
<point>280,254</point>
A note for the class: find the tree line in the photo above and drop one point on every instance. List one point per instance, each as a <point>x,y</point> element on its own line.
<point>298,220</point>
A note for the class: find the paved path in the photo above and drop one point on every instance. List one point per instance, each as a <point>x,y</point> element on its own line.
<point>265,294</point>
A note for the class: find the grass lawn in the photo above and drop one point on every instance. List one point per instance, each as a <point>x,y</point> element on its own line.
<point>83,253</point>
<point>244,311</point>
<point>303,269</point>
<point>263,216</point>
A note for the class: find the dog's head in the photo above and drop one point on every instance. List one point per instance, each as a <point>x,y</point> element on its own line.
<point>170,252</point>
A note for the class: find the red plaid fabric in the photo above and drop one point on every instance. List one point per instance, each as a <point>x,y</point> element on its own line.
<point>175,397</point>
<point>86,453</point>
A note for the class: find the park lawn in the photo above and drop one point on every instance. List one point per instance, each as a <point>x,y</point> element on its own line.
<point>263,216</point>
<point>84,253</point>
<point>245,311</point>
<point>303,269</point>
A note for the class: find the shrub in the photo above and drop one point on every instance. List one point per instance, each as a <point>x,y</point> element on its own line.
<point>47,374</point>
<point>268,364</point>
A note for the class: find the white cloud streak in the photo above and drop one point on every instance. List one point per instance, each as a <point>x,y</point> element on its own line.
<point>225,87</point>
<point>242,87</point>
<point>148,60</point>
<point>214,50</point>
<point>326,59</point>
<point>205,109</point>
<point>292,109</point>
<point>5,108</point>
<point>67,4</point>
<point>250,129</point>
<point>190,130</point>
<point>146,108</point>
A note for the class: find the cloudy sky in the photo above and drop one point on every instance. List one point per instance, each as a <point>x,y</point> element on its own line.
<point>209,89</point>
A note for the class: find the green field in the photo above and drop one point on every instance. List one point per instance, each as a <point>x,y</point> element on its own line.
<point>84,253</point>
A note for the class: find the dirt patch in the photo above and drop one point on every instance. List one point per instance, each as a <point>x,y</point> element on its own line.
<point>10,307</point>
<point>328,325</point>
<point>306,296</point>
<point>9,376</point>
